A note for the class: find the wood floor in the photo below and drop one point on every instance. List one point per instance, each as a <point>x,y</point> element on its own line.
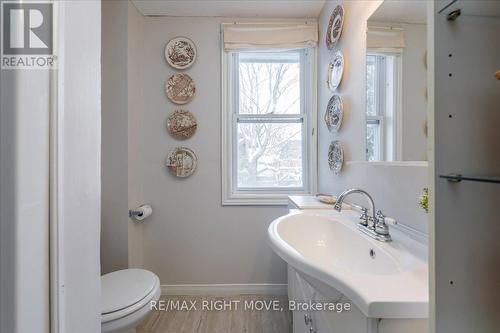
<point>239,317</point>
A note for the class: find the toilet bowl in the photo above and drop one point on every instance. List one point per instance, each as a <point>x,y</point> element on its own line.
<point>126,299</point>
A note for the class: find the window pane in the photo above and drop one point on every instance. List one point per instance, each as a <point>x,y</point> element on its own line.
<point>269,155</point>
<point>269,83</point>
<point>371,75</point>
<point>373,141</point>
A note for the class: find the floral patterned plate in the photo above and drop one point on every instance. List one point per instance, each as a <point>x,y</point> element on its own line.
<point>336,71</point>
<point>335,157</point>
<point>334,113</point>
<point>181,124</point>
<point>335,27</point>
<point>180,88</point>
<point>182,162</point>
<point>180,52</point>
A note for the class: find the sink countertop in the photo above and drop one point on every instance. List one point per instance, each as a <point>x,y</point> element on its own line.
<point>311,202</point>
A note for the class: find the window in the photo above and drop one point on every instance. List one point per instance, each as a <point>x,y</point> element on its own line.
<point>268,122</point>
<point>382,91</point>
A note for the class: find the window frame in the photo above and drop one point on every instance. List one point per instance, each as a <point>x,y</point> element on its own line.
<point>381,104</point>
<point>231,194</point>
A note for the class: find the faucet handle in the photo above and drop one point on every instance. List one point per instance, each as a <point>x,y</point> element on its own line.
<point>387,220</point>
<point>364,216</point>
<point>380,216</point>
<point>381,227</point>
<point>390,221</point>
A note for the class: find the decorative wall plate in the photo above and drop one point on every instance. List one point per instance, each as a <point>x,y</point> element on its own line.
<point>180,88</point>
<point>335,71</point>
<point>335,27</point>
<point>182,162</point>
<point>180,52</point>
<point>334,113</point>
<point>181,124</point>
<point>335,157</point>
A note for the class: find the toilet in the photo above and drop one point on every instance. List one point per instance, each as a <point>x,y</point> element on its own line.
<point>125,299</point>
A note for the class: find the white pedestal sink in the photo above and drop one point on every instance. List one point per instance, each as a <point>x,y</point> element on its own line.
<point>382,280</point>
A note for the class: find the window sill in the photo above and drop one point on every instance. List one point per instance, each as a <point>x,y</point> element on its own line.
<point>253,199</point>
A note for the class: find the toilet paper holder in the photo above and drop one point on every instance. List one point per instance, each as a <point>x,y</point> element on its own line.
<point>133,213</point>
<point>140,213</point>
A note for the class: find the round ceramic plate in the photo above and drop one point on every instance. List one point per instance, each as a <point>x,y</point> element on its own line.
<point>180,88</point>
<point>334,113</point>
<point>336,71</point>
<point>180,52</point>
<point>335,27</point>
<point>181,124</point>
<point>182,162</point>
<point>336,157</point>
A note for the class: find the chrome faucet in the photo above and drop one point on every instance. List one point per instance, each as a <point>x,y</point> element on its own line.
<point>374,226</point>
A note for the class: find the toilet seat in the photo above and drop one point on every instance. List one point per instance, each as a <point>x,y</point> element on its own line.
<point>126,291</point>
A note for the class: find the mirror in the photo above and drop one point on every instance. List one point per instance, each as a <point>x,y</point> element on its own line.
<point>396,77</point>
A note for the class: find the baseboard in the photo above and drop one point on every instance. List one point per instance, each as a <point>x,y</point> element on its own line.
<point>224,289</point>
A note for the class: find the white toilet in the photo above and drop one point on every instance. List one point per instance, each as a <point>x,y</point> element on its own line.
<point>126,297</point>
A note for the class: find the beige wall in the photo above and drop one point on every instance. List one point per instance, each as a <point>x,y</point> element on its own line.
<point>114,160</point>
<point>395,189</point>
<point>122,114</point>
<point>414,108</point>
<point>135,78</point>
<point>191,238</point>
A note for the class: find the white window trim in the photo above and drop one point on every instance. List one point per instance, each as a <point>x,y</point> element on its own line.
<point>279,197</point>
<point>398,106</point>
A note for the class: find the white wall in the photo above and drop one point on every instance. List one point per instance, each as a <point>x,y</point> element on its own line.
<point>79,190</point>
<point>395,189</point>
<point>27,97</point>
<point>24,201</point>
<point>191,238</point>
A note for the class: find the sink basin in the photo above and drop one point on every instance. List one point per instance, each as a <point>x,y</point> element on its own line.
<point>384,280</point>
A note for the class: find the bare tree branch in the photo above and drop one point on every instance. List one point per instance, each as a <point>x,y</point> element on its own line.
<point>263,87</point>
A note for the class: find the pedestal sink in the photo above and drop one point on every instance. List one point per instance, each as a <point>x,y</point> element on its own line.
<point>384,280</point>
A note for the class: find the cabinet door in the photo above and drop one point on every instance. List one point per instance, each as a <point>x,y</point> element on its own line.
<point>467,118</point>
<point>352,320</point>
<point>299,322</point>
<point>299,291</point>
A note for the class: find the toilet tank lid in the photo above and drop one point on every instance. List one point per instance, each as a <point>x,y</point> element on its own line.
<point>124,288</point>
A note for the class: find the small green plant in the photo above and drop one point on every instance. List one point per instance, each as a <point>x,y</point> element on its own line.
<point>424,200</point>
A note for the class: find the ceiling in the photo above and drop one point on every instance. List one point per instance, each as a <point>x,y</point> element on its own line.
<point>232,8</point>
<point>407,11</point>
